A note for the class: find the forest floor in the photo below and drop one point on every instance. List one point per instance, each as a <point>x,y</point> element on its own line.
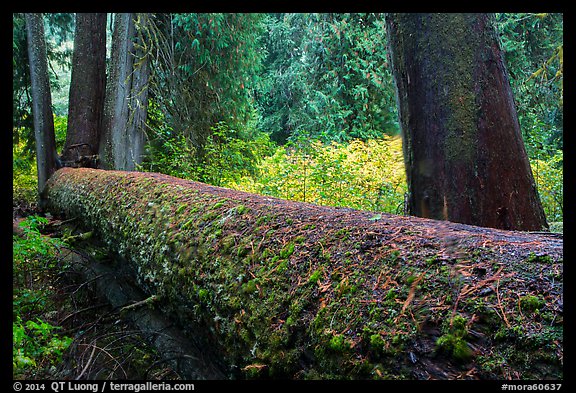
<point>104,346</point>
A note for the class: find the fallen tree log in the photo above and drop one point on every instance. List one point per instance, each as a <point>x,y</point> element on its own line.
<point>292,290</point>
<point>179,352</point>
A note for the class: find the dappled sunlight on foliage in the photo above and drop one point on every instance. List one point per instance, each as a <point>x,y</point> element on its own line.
<point>362,175</point>
<point>549,177</point>
<point>24,176</point>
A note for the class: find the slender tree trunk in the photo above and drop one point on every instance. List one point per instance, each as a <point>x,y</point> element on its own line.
<point>87,87</point>
<point>41,100</point>
<point>464,155</point>
<point>122,142</point>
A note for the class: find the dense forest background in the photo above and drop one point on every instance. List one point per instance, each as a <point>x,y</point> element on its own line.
<point>299,106</point>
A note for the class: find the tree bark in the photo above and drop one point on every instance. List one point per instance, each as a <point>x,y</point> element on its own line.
<point>184,355</point>
<point>122,143</point>
<point>87,88</point>
<point>46,155</point>
<point>283,289</point>
<point>464,155</point>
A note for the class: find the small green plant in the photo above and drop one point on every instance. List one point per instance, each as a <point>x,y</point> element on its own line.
<point>338,343</point>
<point>434,259</point>
<point>249,287</point>
<point>287,250</point>
<point>33,251</point>
<point>315,276</point>
<point>377,342</point>
<point>453,341</point>
<point>534,258</point>
<point>531,303</point>
<point>36,342</point>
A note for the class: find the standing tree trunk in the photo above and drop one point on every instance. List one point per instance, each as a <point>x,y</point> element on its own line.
<point>464,155</point>
<point>125,108</point>
<point>41,100</point>
<point>87,87</point>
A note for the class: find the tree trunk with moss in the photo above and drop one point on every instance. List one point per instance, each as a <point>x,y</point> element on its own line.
<point>464,155</point>
<point>87,87</point>
<point>46,154</point>
<point>123,138</point>
<point>282,289</point>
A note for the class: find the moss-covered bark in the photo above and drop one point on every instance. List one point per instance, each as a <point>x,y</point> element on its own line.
<point>293,290</point>
<point>87,86</point>
<point>126,103</point>
<point>41,99</point>
<point>465,158</point>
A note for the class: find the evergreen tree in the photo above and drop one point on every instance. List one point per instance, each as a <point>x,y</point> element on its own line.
<point>326,76</point>
<point>204,71</point>
<point>463,150</point>
<point>41,100</point>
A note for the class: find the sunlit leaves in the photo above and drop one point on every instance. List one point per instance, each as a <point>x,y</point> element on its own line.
<point>549,177</point>
<point>364,175</point>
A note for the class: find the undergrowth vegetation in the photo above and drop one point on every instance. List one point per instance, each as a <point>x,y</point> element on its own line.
<point>549,177</point>
<point>366,175</point>
<point>24,177</point>
<point>37,344</point>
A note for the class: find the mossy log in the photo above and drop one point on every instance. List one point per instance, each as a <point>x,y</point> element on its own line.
<point>293,290</point>
<point>178,351</point>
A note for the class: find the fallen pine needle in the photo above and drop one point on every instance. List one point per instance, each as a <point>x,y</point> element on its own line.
<point>500,304</point>
<point>411,294</point>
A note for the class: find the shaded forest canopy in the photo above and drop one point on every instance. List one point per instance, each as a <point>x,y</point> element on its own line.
<point>286,289</point>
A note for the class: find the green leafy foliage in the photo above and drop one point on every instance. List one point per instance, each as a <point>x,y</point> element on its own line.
<point>60,129</point>
<point>549,177</point>
<point>24,176</point>
<point>226,156</point>
<point>533,48</point>
<point>36,343</point>
<point>363,175</point>
<point>453,341</point>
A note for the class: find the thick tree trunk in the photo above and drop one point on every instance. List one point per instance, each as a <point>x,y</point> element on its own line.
<point>464,154</point>
<point>87,88</point>
<point>292,290</point>
<point>41,100</point>
<point>122,143</point>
